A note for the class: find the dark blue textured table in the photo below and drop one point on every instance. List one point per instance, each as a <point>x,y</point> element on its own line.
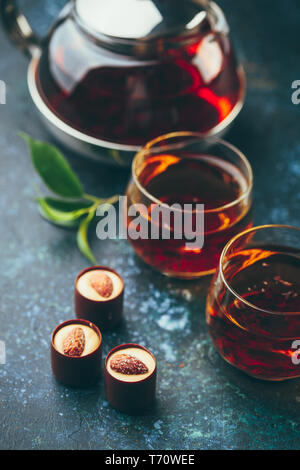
<point>206,404</point>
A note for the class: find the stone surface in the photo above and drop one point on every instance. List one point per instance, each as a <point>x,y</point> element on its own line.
<point>202,402</point>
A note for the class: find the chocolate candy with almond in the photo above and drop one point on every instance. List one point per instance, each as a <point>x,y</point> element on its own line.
<point>130,378</point>
<point>99,293</point>
<point>76,353</point>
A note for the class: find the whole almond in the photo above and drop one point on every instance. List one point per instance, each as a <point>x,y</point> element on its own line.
<point>102,284</point>
<point>74,342</point>
<point>128,365</point>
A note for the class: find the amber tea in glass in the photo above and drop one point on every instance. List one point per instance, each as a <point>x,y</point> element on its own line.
<point>182,168</point>
<point>253,308</point>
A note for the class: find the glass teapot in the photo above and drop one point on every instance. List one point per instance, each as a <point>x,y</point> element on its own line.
<point>114,74</point>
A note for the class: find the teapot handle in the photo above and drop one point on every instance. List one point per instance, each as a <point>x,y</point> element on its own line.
<point>18,28</point>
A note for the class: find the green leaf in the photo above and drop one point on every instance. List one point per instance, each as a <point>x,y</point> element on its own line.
<point>63,213</point>
<point>82,238</point>
<point>53,168</point>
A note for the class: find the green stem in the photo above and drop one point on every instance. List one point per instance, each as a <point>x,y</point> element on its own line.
<point>89,197</point>
<point>96,200</point>
<point>113,199</point>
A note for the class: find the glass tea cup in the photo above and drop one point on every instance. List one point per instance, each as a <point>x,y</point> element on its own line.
<point>253,307</point>
<point>190,179</point>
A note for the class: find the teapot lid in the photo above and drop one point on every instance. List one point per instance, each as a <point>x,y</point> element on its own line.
<point>129,26</point>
